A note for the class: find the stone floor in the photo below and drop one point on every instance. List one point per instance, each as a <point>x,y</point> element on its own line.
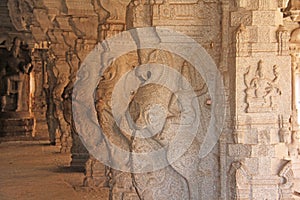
<point>35,170</point>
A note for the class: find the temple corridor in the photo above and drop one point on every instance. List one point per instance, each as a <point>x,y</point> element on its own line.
<point>34,170</point>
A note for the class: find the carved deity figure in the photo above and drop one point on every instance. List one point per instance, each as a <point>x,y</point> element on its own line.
<point>150,117</point>
<point>154,112</point>
<point>263,86</point>
<point>261,90</point>
<point>15,64</point>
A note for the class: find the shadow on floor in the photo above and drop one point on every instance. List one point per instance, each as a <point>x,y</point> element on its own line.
<point>67,169</point>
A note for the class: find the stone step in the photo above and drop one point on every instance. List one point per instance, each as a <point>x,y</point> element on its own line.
<point>41,132</point>
<point>26,137</point>
<point>3,3</point>
<point>18,128</point>
<point>14,115</point>
<point>3,12</point>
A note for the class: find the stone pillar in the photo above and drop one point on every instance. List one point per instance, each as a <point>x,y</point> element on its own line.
<point>62,73</point>
<point>262,101</point>
<point>294,143</point>
<point>190,176</point>
<point>71,29</point>
<point>295,50</point>
<point>39,98</point>
<point>81,48</point>
<point>52,19</point>
<point>16,120</point>
<point>97,174</point>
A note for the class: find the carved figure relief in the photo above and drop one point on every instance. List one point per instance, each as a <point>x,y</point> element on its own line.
<point>261,91</point>
<point>20,13</point>
<point>155,107</point>
<point>284,132</point>
<point>49,85</point>
<point>240,181</point>
<point>15,65</point>
<point>242,43</point>
<point>188,177</point>
<point>148,106</point>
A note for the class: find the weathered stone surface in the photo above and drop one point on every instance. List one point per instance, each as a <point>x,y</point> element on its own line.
<point>249,40</point>
<point>239,150</point>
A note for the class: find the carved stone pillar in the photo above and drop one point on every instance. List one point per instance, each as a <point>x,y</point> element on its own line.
<point>49,85</point>
<point>39,97</point>
<point>97,174</point>
<point>16,118</point>
<point>262,101</point>
<point>294,140</point>
<point>190,176</point>
<point>294,46</point>
<point>79,153</point>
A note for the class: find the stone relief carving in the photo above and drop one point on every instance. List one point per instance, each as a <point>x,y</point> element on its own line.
<point>282,3</point>
<point>19,12</point>
<point>291,9</point>
<point>239,17</point>
<point>80,48</point>
<point>242,41</point>
<point>125,185</point>
<point>176,10</point>
<point>149,106</point>
<point>97,175</point>
<point>61,70</point>
<point>294,145</point>
<point>72,29</point>
<point>287,181</point>
<point>109,30</point>
<point>116,19</point>
<point>240,181</point>
<point>283,37</point>
<point>140,12</point>
<point>116,10</point>
<point>294,45</point>
<point>15,66</point>
<point>261,91</point>
<point>62,81</point>
<point>49,84</point>
<point>284,132</point>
